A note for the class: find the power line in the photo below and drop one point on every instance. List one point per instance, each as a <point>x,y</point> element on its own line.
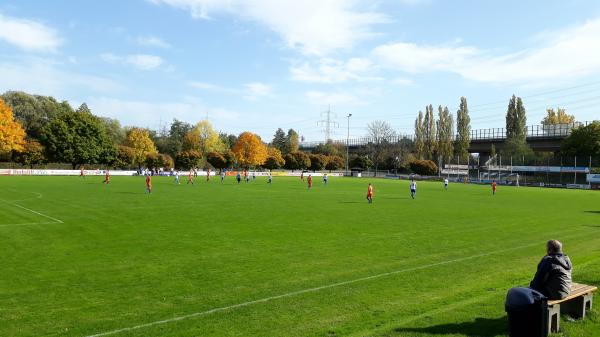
<point>328,123</point>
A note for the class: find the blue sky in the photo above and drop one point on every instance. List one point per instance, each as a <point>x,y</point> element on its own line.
<point>261,64</point>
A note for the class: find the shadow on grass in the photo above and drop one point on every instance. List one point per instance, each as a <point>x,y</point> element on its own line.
<point>402,198</point>
<point>593,212</point>
<point>481,327</point>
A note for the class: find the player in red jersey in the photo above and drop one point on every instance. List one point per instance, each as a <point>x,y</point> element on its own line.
<point>370,193</point>
<point>494,187</point>
<point>190,178</point>
<point>82,173</point>
<point>309,181</point>
<point>148,183</point>
<point>106,177</point>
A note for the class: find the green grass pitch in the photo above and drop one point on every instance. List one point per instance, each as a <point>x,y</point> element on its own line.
<point>79,258</point>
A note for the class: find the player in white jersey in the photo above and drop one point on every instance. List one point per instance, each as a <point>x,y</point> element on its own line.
<point>222,176</point>
<point>446,183</point>
<point>270,181</point>
<point>325,179</point>
<point>413,189</point>
<point>177,177</point>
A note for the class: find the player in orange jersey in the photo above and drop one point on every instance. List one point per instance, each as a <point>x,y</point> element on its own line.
<point>370,193</point>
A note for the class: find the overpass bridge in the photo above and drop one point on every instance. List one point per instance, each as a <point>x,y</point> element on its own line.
<point>541,138</point>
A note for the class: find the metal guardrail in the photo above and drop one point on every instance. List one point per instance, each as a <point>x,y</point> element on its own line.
<point>532,131</point>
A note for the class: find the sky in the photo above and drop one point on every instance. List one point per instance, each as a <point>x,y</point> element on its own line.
<point>256,65</point>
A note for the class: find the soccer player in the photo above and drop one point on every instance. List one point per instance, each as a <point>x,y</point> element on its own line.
<point>148,184</point>
<point>253,176</point>
<point>177,177</point>
<point>106,177</point>
<point>270,181</point>
<point>191,177</point>
<point>413,189</point>
<point>222,176</point>
<point>370,193</point>
<point>238,177</point>
<point>446,183</point>
<point>207,174</point>
<point>302,176</point>
<point>493,187</point>
<point>82,173</point>
<point>309,181</point>
<point>325,178</point>
<point>247,177</point>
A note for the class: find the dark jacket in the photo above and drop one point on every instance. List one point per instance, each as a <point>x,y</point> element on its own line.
<point>553,276</point>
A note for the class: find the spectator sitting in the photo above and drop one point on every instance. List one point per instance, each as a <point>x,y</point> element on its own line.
<point>553,276</point>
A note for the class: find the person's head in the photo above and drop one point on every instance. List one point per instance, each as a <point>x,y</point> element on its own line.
<point>554,247</point>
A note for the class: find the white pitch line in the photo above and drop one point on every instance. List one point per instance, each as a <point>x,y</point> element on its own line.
<point>309,290</point>
<point>38,213</point>
<point>27,224</point>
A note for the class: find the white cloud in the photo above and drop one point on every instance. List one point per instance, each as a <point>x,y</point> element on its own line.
<point>313,26</point>
<point>403,81</point>
<point>139,61</point>
<point>256,90</point>
<point>211,87</point>
<point>152,41</point>
<point>28,34</point>
<point>50,79</point>
<point>570,53</point>
<point>334,71</point>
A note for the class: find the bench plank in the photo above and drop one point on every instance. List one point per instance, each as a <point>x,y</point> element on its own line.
<point>577,290</point>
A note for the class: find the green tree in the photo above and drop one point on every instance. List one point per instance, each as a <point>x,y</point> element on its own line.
<point>361,162</point>
<point>516,133</point>
<point>125,157</point>
<point>329,148</point>
<point>290,162</point>
<point>188,159</point>
<point>34,111</point>
<point>583,141</point>
<point>292,141</point>
<point>419,136</point>
<point>317,161</point>
<point>445,134</point>
<point>429,132</point>
<point>280,140</point>
<point>113,129</point>
<point>463,128</point>
<point>217,160</point>
<point>78,138</point>
<point>301,159</point>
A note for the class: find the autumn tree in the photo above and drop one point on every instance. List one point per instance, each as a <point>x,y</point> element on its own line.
<point>560,116</point>
<point>317,161</point>
<point>31,154</point>
<point>124,158</point>
<point>139,140</point>
<point>249,150</point>
<point>335,163</point>
<point>12,135</point>
<point>274,159</point>
<point>204,139</point>
<point>188,159</point>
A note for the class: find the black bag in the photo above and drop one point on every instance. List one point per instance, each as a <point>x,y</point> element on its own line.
<point>527,313</point>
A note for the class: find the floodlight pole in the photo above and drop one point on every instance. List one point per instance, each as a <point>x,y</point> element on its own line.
<point>348,145</point>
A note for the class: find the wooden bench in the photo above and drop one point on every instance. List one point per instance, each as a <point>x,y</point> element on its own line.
<point>574,305</point>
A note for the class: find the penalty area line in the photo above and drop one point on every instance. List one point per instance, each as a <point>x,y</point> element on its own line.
<point>315,289</point>
<point>28,224</point>
<point>38,213</point>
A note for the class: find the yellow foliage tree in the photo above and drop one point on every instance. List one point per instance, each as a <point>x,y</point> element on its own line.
<point>204,139</point>
<point>139,140</point>
<point>559,116</point>
<point>12,135</point>
<point>250,150</point>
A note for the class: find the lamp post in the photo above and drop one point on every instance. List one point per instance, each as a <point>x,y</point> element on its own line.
<point>348,145</point>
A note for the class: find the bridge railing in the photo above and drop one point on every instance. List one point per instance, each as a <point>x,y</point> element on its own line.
<point>532,131</point>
